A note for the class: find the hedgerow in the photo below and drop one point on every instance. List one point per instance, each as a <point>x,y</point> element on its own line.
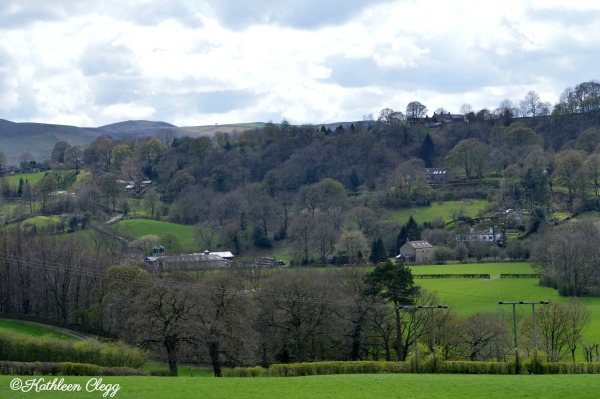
<point>427,366</point>
<point>19,348</point>
<point>64,368</point>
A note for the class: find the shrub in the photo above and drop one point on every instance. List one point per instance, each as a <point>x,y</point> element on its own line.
<point>256,371</point>
<point>65,368</point>
<point>20,348</point>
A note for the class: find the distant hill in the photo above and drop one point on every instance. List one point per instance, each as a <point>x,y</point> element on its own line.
<point>210,130</point>
<point>38,139</point>
<point>140,128</point>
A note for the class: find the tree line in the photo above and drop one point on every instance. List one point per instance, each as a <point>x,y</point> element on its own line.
<point>249,316</point>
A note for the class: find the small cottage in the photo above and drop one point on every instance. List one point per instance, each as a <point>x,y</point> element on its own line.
<point>417,251</point>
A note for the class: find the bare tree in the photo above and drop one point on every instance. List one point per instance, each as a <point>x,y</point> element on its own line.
<point>481,335</point>
<point>299,310</point>
<point>221,318</point>
<point>569,258</point>
<point>560,328</point>
<point>415,110</point>
<point>162,316</point>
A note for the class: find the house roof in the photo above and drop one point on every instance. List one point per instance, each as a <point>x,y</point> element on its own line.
<point>226,254</point>
<point>436,171</point>
<point>419,244</point>
<point>187,261</point>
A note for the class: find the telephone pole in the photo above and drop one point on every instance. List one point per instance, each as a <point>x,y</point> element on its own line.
<point>514,305</point>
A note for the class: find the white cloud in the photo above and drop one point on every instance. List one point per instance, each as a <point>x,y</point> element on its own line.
<point>189,62</point>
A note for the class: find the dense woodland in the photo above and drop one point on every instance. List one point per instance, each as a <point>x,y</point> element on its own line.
<point>322,196</point>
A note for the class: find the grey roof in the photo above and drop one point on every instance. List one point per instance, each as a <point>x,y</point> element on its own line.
<point>420,244</point>
<point>193,261</point>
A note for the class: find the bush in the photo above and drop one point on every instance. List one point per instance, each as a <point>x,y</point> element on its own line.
<point>425,366</point>
<point>20,348</point>
<point>65,368</point>
<point>256,371</point>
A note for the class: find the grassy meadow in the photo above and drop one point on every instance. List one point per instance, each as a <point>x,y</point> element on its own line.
<point>381,386</point>
<point>468,296</point>
<point>33,330</point>
<point>437,210</point>
<point>140,227</point>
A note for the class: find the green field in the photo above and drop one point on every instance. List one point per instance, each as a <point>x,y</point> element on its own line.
<point>380,386</point>
<point>140,227</point>
<point>23,328</point>
<point>33,178</point>
<point>469,296</point>
<point>437,210</point>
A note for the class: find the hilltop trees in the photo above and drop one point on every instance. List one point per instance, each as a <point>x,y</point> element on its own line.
<point>415,110</point>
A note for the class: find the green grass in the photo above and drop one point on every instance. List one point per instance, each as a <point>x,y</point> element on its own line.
<point>33,178</point>
<point>493,269</point>
<point>42,221</point>
<point>469,296</point>
<point>140,227</point>
<point>381,386</point>
<point>22,328</point>
<point>437,210</point>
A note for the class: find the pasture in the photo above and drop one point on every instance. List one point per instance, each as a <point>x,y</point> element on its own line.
<point>468,296</point>
<point>438,210</point>
<point>381,386</point>
<point>29,329</point>
<point>140,227</point>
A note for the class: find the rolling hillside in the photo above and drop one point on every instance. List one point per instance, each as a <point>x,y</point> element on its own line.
<point>38,139</point>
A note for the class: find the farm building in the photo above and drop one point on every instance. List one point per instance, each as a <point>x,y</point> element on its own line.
<point>437,175</point>
<point>186,262</point>
<point>480,236</point>
<point>417,251</point>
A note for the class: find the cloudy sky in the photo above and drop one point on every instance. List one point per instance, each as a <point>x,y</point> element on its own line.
<point>200,62</point>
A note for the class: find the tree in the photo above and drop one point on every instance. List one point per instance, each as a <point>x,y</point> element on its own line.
<point>466,109</point>
<point>531,105</point>
<point>415,110</point>
<point>592,169</point>
<point>58,151</point>
<point>206,234</point>
<point>351,243</point>
<point>413,232</point>
<point>409,180</point>
<point>146,243</point>
<point>568,165</point>
<point>483,337</point>
<point>427,151</point>
<point>378,252</point>
<point>73,157</point>
<point>394,283</point>
<point>162,315</point>
<point>297,314</point>
<point>469,155</point>
<point>151,203</point>
<point>559,328</point>
<point>221,320</point>
<point>568,258</point>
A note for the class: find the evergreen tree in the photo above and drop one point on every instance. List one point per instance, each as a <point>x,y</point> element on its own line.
<point>413,233</point>
<point>394,283</point>
<point>378,253</point>
<point>401,239</point>
<point>427,152</point>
